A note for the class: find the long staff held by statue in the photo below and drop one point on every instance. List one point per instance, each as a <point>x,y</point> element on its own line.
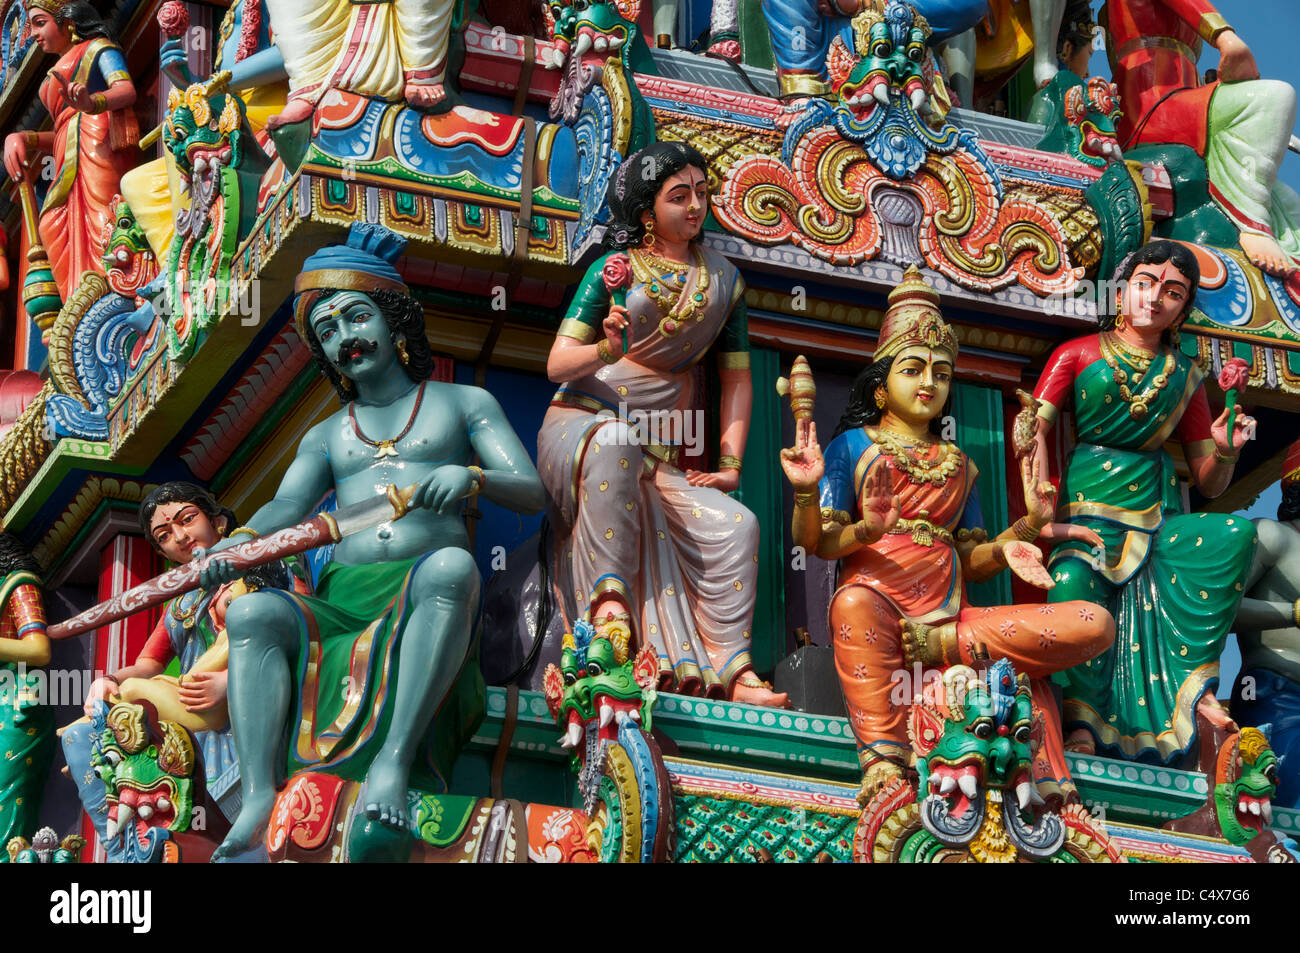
<point>318,531</point>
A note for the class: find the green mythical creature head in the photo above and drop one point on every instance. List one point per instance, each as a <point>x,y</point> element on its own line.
<point>1081,119</point>
<point>204,133</point>
<point>579,27</point>
<point>598,686</point>
<point>128,259</point>
<point>146,765</point>
<point>45,848</point>
<point>1245,778</point>
<point>974,754</point>
<point>891,57</point>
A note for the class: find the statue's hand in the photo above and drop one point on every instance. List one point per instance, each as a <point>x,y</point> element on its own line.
<point>803,463</point>
<point>613,327</point>
<point>1243,429</point>
<point>1040,494</point>
<point>75,95</point>
<point>218,572</point>
<point>724,480</point>
<point>202,690</point>
<point>881,508</point>
<point>442,489</point>
<point>16,155</point>
<point>101,688</point>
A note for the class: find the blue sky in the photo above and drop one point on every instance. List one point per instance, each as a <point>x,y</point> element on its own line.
<point>1271,28</point>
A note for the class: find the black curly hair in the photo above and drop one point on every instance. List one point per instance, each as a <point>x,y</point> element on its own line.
<point>14,556</point>
<point>404,317</point>
<point>1158,252</point>
<point>180,491</point>
<point>637,182</point>
<point>861,410</point>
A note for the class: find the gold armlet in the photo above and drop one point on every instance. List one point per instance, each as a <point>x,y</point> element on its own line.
<point>1295,613</point>
<point>976,535</point>
<point>245,529</point>
<point>728,462</point>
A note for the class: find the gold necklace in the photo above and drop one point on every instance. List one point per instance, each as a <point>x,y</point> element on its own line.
<point>918,469</point>
<point>1139,405</point>
<point>665,299</point>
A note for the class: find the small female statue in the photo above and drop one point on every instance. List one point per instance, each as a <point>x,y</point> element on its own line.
<point>898,506</point>
<point>1172,581</point>
<point>88,92</point>
<point>641,545</point>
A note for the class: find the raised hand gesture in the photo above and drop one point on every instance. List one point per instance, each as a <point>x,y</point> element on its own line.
<point>880,505</point>
<point>1040,495</point>
<point>803,463</point>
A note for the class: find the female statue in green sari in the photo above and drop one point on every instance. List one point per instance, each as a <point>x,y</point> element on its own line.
<point>1171,580</point>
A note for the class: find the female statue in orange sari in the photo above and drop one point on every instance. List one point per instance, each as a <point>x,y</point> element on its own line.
<point>898,507</point>
<point>88,93</point>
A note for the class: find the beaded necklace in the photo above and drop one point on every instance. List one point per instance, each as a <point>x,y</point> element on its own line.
<point>918,468</point>
<point>667,299</point>
<point>1139,405</point>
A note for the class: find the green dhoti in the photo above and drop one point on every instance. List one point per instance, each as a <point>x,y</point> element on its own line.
<point>350,636</point>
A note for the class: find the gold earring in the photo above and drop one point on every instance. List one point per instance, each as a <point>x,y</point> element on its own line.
<point>649,239</point>
<point>881,398</point>
<point>401,352</point>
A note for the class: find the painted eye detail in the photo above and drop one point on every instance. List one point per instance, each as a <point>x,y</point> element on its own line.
<point>112,757</point>
<point>983,729</point>
<point>594,669</point>
<point>1271,773</point>
<point>1022,735</point>
<point>570,678</point>
<point>915,52</point>
<point>881,49</point>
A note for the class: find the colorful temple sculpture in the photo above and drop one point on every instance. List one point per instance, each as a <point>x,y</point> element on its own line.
<point>395,463</point>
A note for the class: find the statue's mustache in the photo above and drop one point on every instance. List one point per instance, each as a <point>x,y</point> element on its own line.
<point>353,348</point>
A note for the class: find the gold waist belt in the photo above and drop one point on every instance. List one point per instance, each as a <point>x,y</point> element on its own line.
<point>1158,43</point>
<point>924,533</point>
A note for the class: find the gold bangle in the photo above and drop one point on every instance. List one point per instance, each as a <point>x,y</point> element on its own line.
<point>605,354</point>
<point>806,500</point>
<point>31,138</point>
<point>1222,457</point>
<point>476,473</point>
<point>101,103</point>
<point>728,462</point>
<point>1295,613</point>
<point>245,529</point>
<point>862,532</point>
<point>1024,531</point>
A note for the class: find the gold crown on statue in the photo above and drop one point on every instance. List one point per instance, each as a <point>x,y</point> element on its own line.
<point>913,319</point>
<point>51,7</point>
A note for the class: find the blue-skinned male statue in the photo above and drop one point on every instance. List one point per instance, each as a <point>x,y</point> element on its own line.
<point>350,680</point>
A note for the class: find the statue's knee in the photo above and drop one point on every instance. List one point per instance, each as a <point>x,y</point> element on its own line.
<point>257,614</point>
<point>747,532</point>
<point>449,573</point>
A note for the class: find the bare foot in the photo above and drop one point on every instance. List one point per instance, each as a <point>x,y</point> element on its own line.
<point>1267,254</point>
<point>384,795</point>
<point>759,693</point>
<point>424,95</point>
<point>249,828</point>
<point>1080,741</point>
<point>295,110</point>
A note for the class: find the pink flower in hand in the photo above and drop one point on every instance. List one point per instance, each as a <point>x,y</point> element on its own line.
<point>1234,374</point>
<point>173,18</point>
<point>617,272</point>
